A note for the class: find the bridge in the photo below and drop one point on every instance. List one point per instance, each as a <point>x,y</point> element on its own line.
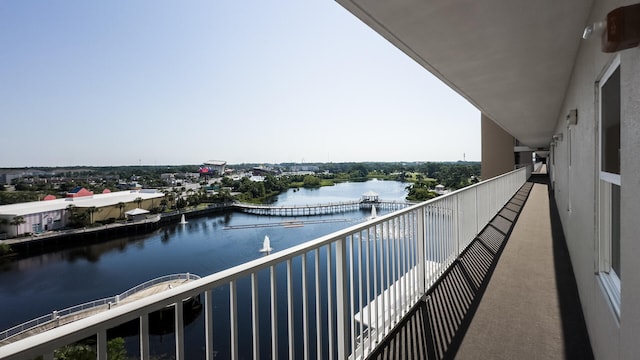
<point>74,313</point>
<point>320,209</point>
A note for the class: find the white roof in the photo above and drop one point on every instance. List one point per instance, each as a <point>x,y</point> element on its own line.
<point>215,162</point>
<point>98,200</point>
<point>137,211</point>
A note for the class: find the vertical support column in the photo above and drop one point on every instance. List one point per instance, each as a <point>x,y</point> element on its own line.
<point>422,256</point>
<point>457,223</point>
<point>144,337</point>
<point>179,330</point>
<point>374,303</point>
<point>342,322</point>
<point>102,345</point>
<point>475,193</point>
<point>208,324</point>
<point>367,246</point>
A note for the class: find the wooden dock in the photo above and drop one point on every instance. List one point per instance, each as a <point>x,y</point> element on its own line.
<point>320,209</point>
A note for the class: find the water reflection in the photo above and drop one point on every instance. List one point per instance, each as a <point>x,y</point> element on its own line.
<point>203,246</point>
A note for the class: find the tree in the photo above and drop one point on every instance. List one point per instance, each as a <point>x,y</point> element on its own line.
<point>121,206</point>
<point>172,199</point>
<point>81,351</point>
<point>92,210</point>
<point>163,203</point>
<point>311,181</point>
<point>76,218</point>
<point>17,221</point>
<point>420,191</point>
<point>3,221</point>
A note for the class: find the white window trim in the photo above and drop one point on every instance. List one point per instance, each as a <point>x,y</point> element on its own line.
<point>609,280</point>
<point>611,178</point>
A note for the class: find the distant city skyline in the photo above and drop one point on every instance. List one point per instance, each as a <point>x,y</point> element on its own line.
<point>172,83</point>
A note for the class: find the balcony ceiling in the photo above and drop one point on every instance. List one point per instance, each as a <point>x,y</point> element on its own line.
<point>511,59</point>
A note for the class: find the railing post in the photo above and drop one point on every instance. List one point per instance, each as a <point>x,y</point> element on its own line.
<point>102,345</point>
<point>144,337</point>
<point>422,256</point>
<point>475,193</point>
<point>274,312</point>
<point>290,322</point>
<point>255,319</point>
<point>457,223</point>
<point>208,324</point>
<point>233,318</point>
<point>342,324</point>
<point>179,331</point>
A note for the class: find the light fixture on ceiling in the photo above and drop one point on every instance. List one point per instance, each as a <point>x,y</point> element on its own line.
<point>595,28</point>
<point>620,31</point>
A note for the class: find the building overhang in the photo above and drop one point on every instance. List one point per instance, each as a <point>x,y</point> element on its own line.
<point>511,59</point>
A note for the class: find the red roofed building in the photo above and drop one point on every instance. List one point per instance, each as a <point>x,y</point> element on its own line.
<point>79,192</point>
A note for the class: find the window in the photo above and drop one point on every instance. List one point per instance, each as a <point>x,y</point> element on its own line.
<point>610,183</point>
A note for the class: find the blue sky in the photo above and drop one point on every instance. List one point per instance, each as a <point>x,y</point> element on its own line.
<point>181,82</point>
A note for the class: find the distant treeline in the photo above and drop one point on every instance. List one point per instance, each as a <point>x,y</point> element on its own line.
<point>423,176</point>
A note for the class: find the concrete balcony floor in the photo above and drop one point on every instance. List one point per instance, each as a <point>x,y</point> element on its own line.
<point>511,295</point>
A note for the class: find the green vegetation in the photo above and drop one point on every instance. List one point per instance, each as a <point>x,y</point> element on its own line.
<point>423,176</point>
<point>5,249</point>
<point>86,350</point>
<point>17,221</point>
<point>420,190</point>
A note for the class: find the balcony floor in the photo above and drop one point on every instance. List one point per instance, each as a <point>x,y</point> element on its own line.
<point>511,295</point>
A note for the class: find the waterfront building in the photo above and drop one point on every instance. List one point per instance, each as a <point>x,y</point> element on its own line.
<point>54,214</point>
<point>212,168</point>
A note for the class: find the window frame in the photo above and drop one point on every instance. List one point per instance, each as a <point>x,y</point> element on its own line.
<point>609,279</point>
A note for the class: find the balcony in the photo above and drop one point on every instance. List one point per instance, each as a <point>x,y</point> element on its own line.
<point>483,270</point>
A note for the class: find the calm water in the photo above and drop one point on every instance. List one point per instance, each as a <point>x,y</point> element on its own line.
<point>38,285</point>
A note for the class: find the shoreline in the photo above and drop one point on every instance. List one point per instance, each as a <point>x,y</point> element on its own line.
<point>60,240</point>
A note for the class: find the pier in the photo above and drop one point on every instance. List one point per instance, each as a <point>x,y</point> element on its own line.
<point>320,209</point>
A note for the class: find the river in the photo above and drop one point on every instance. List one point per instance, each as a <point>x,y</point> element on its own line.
<point>40,284</point>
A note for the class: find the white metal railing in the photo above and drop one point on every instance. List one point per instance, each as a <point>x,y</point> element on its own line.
<point>341,293</point>
<point>56,314</point>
